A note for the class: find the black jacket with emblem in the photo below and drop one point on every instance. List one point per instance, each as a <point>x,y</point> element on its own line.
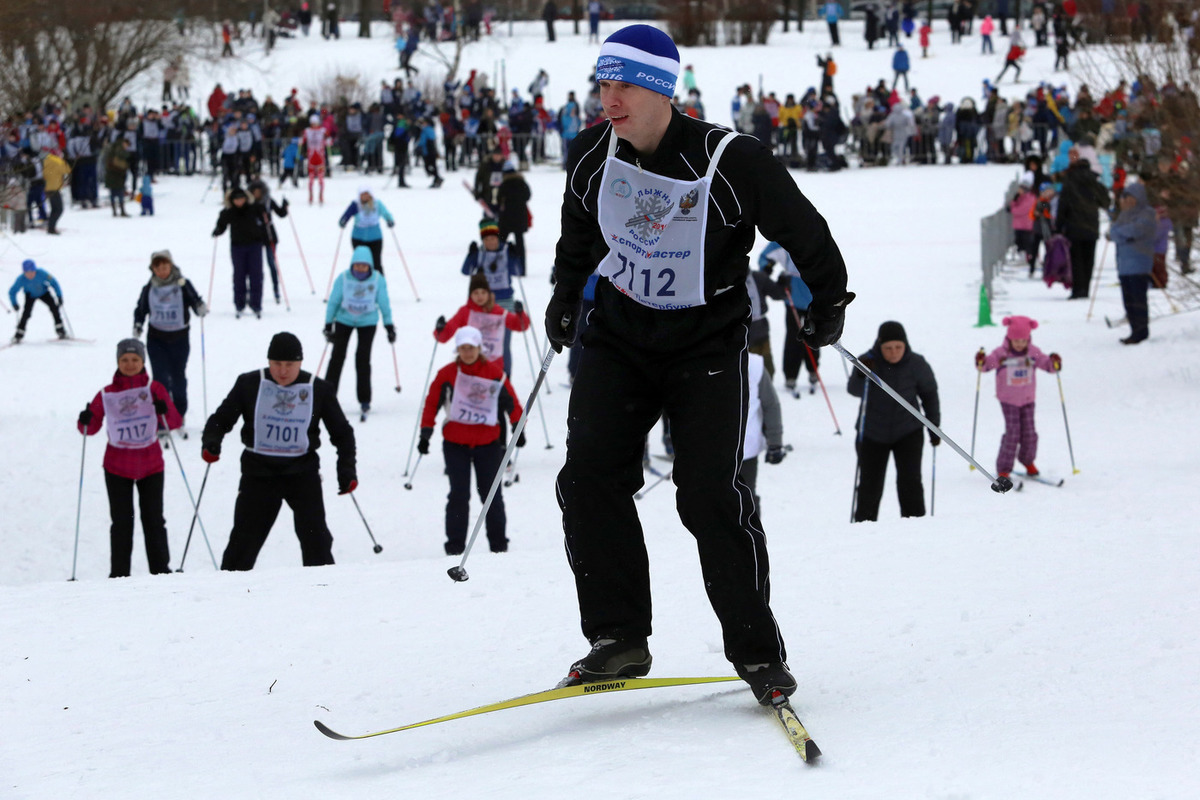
<point>750,189</point>
<point>241,403</point>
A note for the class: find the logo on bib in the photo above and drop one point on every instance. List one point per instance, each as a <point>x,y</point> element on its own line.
<point>480,393</point>
<point>620,188</point>
<point>285,402</point>
<point>652,207</point>
<point>128,405</point>
<point>304,395</point>
<point>688,201</point>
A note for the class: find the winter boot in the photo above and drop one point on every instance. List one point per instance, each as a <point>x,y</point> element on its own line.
<point>613,658</point>
<point>18,336</point>
<point>766,680</point>
<point>61,331</point>
<point>1031,470</point>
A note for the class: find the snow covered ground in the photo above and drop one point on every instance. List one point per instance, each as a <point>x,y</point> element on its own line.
<point>1041,644</point>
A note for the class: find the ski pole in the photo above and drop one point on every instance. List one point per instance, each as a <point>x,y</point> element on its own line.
<point>408,483</point>
<point>212,272</point>
<point>648,489</point>
<point>1062,397</point>
<point>378,548</point>
<point>459,573</point>
<point>537,345</point>
<point>66,319</point>
<point>322,361</point>
<point>79,504</point>
<point>812,362</point>
<point>1096,286</point>
<point>417,425</point>
<point>975,420</point>
<point>404,263</point>
<point>862,426</point>
<point>516,476</point>
<point>203,368</point>
<point>275,255</point>
<point>195,516</point>
<point>1001,484</point>
<point>933,485</point>
<point>532,374</point>
<point>188,486</point>
<point>303,260</point>
<point>333,267</point>
<point>396,367</point>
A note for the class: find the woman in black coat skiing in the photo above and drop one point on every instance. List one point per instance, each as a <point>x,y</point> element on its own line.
<point>887,428</point>
<point>513,195</point>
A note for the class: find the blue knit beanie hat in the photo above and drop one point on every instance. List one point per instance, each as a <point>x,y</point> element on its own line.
<point>640,55</point>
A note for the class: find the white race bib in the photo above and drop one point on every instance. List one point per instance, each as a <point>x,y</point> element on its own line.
<point>166,307</point>
<point>130,419</point>
<point>476,400</point>
<point>491,327</point>
<point>654,227</point>
<point>282,415</point>
<point>1018,371</point>
<point>358,297</point>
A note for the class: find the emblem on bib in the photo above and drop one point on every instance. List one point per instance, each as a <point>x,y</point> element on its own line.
<point>128,406</point>
<point>285,401</point>
<point>688,201</point>
<point>620,188</point>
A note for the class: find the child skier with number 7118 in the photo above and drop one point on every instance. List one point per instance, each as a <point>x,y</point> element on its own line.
<point>1016,363</point>
<point>134,407</point>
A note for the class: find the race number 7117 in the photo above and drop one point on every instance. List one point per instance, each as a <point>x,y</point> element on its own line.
<point>666,277</point>
<point>132,433</point>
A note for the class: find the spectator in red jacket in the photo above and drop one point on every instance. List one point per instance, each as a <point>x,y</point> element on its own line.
<point>135,408</point>
<point>474,392</point>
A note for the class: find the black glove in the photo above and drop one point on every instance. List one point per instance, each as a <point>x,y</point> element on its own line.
<point>562,319</point>
<point>329,333</point>
<point>85,416</point>
<point>347,484</point>
<point>934,439</point>
<point>775,454</point>
<point>137,331</point>
<point>553,277</point>
<point>423,442</point>
<point>216,233</point>
<point>867,362</point>
<point>391,332</point>
<point>440,325</point>
<point>285,204</point>
<point>518,308</point>
<point>391,223</point>
<point>824,324</point>
<point>473,250</point>
<point>521,439</point>
<point>160,406</point>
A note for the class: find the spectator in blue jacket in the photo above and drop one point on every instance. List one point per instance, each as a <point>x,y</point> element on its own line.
<point>1133,233</point>
<point>833,13</point>
<point>358,297</point>
<point>37,285</point>
<point>900,67</point>
<point>367,211</point>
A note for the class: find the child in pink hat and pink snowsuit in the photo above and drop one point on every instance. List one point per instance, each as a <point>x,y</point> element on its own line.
<point>1016,363</point>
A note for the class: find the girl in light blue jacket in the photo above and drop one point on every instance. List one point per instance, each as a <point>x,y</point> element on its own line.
<point>367,211</point>
<point>358,298</point>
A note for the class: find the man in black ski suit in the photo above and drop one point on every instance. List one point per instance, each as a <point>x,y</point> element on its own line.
<point>667,206</point>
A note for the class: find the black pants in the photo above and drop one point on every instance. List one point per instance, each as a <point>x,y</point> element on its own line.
<point>618,395</point>
<point>48,299</point>
<point>258,502</point>
<point>362,357</point>
<point>794,352</point>
<point>56,210</point>
<point>1083,261</point>
<point>376,248</point>
<point>154,527</point>
<point>1137,311</point>
<point>486,460</point>
<point>168,362</point>
<point>872,464</point>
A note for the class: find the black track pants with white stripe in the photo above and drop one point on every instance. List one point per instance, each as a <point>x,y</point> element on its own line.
<point>616,399</point>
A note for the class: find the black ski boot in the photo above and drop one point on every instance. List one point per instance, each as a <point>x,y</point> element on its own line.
<point>61,331</point>
<point>612,658</point>
<point>767,679</point>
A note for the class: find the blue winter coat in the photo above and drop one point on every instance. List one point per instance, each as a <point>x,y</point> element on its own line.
<point>900,61</point>
<point>341,306</point>
<point>366,221</point>
<point>833,12</point>
<point>1133,233</point>
<point>42,282</point>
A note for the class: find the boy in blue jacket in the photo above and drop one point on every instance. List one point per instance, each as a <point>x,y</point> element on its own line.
<point>290,154</point>
<point>359,295</point>
<point>37,284</point>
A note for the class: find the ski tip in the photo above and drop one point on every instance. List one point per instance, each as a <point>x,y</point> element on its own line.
<point>811,752</point>
<point>332,734</point>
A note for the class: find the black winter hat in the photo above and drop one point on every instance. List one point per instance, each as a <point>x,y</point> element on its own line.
<point>285,347</point>
<point>891,331</point>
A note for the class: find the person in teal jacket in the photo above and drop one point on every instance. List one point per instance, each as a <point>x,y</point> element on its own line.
<point>37,285</point>
<point>359,296</point>
<point>367,211</point>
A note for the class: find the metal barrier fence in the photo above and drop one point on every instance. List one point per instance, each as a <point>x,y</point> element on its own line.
<point>995,239</point>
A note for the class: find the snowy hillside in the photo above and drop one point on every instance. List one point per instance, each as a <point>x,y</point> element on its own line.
<point>1041,644</point>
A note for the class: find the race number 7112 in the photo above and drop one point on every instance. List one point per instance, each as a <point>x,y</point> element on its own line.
<point>666,277</point>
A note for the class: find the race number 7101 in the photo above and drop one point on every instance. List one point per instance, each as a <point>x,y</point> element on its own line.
<point>283,433</point>
<point>666,277</point>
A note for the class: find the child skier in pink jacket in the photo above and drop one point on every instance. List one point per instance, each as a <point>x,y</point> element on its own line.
<point>1016,363</point>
